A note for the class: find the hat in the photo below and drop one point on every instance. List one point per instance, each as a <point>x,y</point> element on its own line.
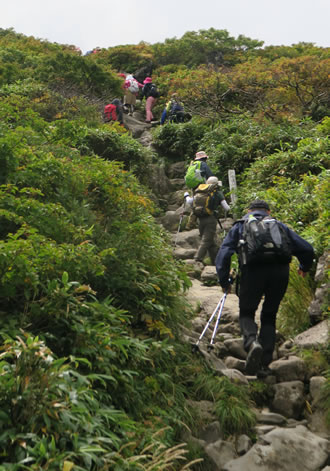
<point>212,180</point>
<point>122,75</point>
<point>259,204</point>
<point>147,80</point>
<point>201,155</point>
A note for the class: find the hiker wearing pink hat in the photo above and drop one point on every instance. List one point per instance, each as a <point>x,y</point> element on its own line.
<point>150,92</point>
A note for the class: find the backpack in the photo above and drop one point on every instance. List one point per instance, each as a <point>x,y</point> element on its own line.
<point>153,91</point>
<point>109,113</point>
<point>263,241</point>
<point>204,202</point>
<point>133,86</point>
<point>193,175</point>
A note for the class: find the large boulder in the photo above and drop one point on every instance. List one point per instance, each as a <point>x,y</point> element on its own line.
<point>295,449</point>
<point>315,337</point>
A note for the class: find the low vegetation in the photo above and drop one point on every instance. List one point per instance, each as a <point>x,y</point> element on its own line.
<point>93,375</point>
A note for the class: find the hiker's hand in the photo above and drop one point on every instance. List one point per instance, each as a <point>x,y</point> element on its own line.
<point>302,273</point>
<point>227,290</point>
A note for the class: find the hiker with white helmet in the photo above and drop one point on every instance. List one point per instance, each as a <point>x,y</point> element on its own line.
<point>206,203</point>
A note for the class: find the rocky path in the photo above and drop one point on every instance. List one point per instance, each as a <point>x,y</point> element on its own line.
<point>291,432</point>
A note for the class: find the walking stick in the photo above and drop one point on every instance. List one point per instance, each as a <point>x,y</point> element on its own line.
<point>181,217</point>
<point>177,233</point>
<point>218,310</point>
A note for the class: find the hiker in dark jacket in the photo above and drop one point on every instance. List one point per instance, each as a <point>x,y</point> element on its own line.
<point>149,92</point>
<point>174,111</point>
<point>269,279</point>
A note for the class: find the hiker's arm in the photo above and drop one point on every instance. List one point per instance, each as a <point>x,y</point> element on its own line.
<point>223,258</point>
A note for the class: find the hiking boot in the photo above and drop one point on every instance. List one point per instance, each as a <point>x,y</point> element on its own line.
<point>264,372</point>
<point>253,358</point>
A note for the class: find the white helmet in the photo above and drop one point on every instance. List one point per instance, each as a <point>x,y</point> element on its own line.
<point>212,180</point>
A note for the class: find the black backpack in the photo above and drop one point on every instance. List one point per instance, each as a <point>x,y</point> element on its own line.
<point>263,241</point>
<point>153,91</point>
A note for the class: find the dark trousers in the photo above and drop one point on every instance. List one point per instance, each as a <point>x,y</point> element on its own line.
<point>256,281</point>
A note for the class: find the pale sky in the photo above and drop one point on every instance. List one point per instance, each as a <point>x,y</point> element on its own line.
<point>106,23</point>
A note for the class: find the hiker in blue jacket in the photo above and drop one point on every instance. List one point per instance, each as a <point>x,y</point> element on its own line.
<point>268,278</point>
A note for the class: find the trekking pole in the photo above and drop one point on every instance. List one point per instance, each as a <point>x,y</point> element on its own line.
<point>210,346</point>
<point>195,347</point>
<point>181,217</point>
<point>218,310</point>
<point>177,233</point>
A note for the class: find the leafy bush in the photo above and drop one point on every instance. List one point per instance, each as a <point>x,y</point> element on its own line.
<point>179,141</point>
<point>293,317</point>
<point>239,142</point>
<point>233,405</point>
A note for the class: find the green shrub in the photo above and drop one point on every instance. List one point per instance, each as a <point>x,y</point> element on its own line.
<point>232,404</point>
<point>293,317</point>
<point>179,141</point>
<point>238,142</point>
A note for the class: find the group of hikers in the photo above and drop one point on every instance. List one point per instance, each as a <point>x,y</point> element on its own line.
<point>133,89</point>
<point>264,246</point>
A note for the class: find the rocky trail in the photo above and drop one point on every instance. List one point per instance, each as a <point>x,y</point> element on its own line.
<point>291,432</point>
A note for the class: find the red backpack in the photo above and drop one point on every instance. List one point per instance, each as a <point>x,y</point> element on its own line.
<point>109,113</point>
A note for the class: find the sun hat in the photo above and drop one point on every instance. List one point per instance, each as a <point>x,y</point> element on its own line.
<point>201,155</point>
<point>147,80</point>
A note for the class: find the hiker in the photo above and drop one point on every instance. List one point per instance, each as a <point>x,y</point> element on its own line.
<point>174,111</point>
<point>131,90</point>
<point>150,92</point>
<point>205,207</point>
<point>205,170</point>
<point>264,271</point>
<point>114,112</point>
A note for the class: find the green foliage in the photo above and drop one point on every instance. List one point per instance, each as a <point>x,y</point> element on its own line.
<point>48,407</point>
<point>91,296</point>
<point>110,145</point>
<point>232,403</point>
<point>239,142</point>
<point>179,141</point>
<point>210,46</point>
<point>325,397</point>
<point>293,317</point>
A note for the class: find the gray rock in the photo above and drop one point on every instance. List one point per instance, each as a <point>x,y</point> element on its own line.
<point>243,444</point>
<point>289,398</point>
<point>209,274</point>
<point>314,337</point>
<point>177,170</point>
<point>315,386</point>
<point>289,369</point>
<point>285,450</point>
<point>235,347</point>
<point>183,254</point>
<point>270,418</point>
<point>232,362</point>
<point>235,376</point>
<point>220,453</point>
<point>211,433</point>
